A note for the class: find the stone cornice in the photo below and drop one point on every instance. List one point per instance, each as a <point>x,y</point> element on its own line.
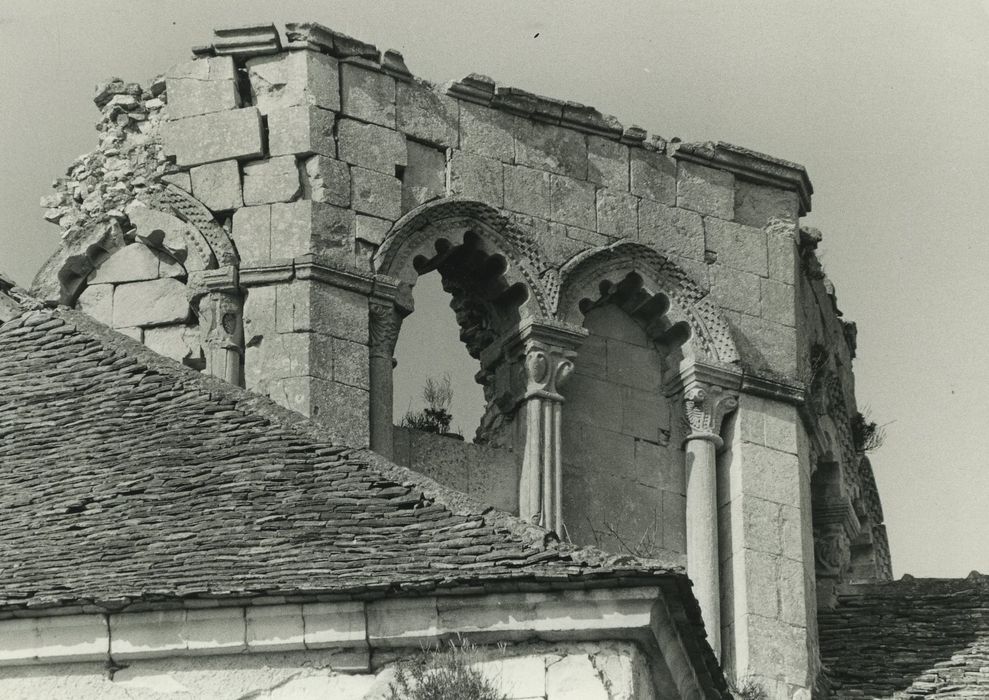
<point>751,166</point>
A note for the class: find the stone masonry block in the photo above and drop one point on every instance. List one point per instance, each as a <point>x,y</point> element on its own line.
<point>634,366</point>
<point>761,583</point>
<point>735,290</point>
<point>367,94</point>
<point>770,474</point>
<point>176,342</point>
<point>517,678</point>
<point>201,86</point>
<point>671,230</point>
<point>574,677</point>
<point>424,177</point>
<point>235,133</point>
<point>371,229</point>
<point>304,227</point>
<point>334,624</point>
<point>96,301</point>
<point>608,163</point>
<point>674,521</point>
<point>321,308</point>
<point>271,180</point>
<point>351,363</point>
<point>551,148</point>
<point>401,622</point>
<point>375,193</point>
<point>782,426</point>
<point>527,191</point>
<point>660,466</point>
<point>618,215</point>
<point>645,415</point>
<point>428,115</point>
<point>782,256</point>
<point>302,130</point>
<point>477,177</point>
<point>487,132</point>
<point>572,202</point>
<point>757,205</point>
<point>259,313</point>
<point>294,78</point>
<point>327,180</point>
<point>777,649</point>
<point>252,235</point>
<point>371,146</point>
<point>343,408</point>
<point>705,190</point>
<point>595,402</point>
<point>778,303</point>
<point>152,302</point>
<point>217,185</point>
<point>653,175</point>
<point>741,247</point>
<point>761,527</point>
<point>61,638</point>
<point>275,627</point>
<point>131,263</point>
<point>767,346</point>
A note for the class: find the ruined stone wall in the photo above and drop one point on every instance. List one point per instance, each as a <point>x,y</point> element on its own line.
<point>849,534</point>
<point>909,638</point>
<point>525,671</point>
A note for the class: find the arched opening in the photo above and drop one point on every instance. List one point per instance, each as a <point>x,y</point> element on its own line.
<point>429,347</point>
<point>624,474</point>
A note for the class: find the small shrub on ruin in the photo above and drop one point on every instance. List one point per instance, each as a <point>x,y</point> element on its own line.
<point>436,416</point>
<point>444,674</point>
<point>749,688</point>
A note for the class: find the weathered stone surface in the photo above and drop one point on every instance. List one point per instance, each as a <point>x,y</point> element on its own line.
<point>551,148</point>
<point>476,177</point>
<point>608,163</point>
<point>217,185</point>
<point>131,263</point>
<point>235,133</point>
<point>782,256</point>
<point>521,677</point>
<point>152,302</point>
<point>572,202</point>
<point>425,175</point>
<point>96,300</point>
<point>371,146</point>
<point>574,678</point>
<point>201,86</point>
<point>777,303</point>
<point>371,229</point>
<point>737,246</point>
<point>734,289</point>
<point>487,132</point>
<point>427,114</point>
<point>527,191</point>
<point>705,190</point>
<point>252,234</point>
<point>176,342</point>
<point>618,215</point>
<point>375,193</point>
<point>367,94</point>
<point>757,205</point>
<point>294,78</point>
<point>327,180</point>
<point>301,130</point>
<point>770,475</point>
<point>653,175</point>
<point>672,230</point>
<point>303,227</point>
<point>246,41</point>
<point>272,180</point>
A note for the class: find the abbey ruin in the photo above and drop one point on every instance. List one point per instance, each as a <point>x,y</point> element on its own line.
<point>663,363</point>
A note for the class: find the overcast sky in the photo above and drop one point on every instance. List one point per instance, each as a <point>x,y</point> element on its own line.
<point>886,104</point>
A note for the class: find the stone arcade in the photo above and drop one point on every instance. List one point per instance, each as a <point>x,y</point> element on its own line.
<point>665,369</point>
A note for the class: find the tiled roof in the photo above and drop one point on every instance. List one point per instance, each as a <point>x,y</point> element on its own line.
<point>922,638</point>
<point>125,477</point>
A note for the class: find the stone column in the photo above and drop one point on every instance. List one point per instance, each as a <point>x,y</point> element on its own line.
<point>547,353</point>
<point>706,407</point>
<point>221,325</point>
<point>386,321</point>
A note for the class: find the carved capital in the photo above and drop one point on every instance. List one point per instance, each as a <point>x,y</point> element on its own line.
<point>220,320</point>
<point>547,369</point>
<point>706,406</point>
<point>385,323</point>
<point>832,550</point>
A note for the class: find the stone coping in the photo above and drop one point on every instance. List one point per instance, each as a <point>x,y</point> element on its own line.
<point>358,628</point>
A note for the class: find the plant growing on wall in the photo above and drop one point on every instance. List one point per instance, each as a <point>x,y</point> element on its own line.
<point>444,674</point>
<point>436,416</point>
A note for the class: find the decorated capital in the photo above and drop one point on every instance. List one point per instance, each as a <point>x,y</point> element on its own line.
<point>706,406</point>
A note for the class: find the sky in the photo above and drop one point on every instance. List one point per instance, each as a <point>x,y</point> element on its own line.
<point>885,103</point>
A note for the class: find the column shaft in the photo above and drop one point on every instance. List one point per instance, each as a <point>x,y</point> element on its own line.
<point>702,534</point>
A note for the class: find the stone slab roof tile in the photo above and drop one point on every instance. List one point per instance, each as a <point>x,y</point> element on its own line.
<point>126,477</point>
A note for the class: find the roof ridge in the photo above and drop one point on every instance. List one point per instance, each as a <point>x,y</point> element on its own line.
<point>456,502</point>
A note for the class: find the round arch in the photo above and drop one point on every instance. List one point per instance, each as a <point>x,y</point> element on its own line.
<point>596,272</point>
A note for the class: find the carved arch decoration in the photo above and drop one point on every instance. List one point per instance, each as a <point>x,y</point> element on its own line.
<point>688,306</point>
<point>173,223</point>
